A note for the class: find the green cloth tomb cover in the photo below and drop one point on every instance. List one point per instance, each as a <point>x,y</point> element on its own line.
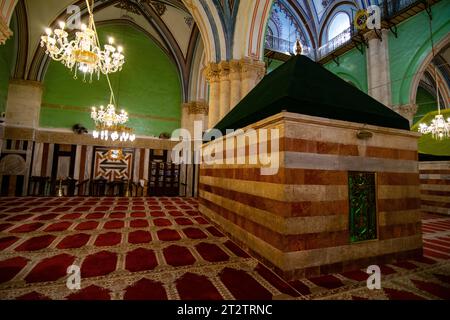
<point>303,86</point>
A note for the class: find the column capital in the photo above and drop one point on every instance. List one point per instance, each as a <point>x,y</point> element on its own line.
<point>5,32</point>
<point>199,107</point>
<point>212,72</point>
<point>235,70</point>
<point>224,70</point>
<point>196,107</point>
<point>407,111</point>
<point>251,68</point>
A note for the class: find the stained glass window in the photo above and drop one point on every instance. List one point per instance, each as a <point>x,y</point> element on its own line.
<point>363,208</point>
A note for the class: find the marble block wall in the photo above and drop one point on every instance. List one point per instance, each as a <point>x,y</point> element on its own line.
<point>298,219</point>
<point>435,186</point>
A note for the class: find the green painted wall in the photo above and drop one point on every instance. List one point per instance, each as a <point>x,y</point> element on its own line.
<point>352,67</point>
<point>426,103</point>
<point>148,87</point>
<point>273,64</point>
<point>408,51</point>
<point>7,52</point>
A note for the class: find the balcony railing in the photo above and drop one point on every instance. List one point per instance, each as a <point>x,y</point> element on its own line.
<point>389,9</point>
<point>285,46</point>
<point>337,42</point>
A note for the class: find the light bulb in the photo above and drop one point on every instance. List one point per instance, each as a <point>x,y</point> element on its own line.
<point>111,40</point>
<point>83,27</point>
<point>48,31</point>
<point>120,49</point>
<point>62,24</point>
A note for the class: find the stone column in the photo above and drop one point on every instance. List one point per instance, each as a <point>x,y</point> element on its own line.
<point>224,74</point>
<point>407,111</point>
<point>24,103</point>
<point>212,76</point>
<point>235,86</point>
<point>185,115</point>
<point>198,111</point>
<point>378,71</point>
<point>5,32</point>
<point>252,71</point>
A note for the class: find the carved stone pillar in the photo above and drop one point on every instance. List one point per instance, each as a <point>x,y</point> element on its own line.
<point>5,32</point>
<point>24,103</point>
<point>198,111</point>
<point>224,74</point>
<point>378,71</point>
<point>235,85</point>
<point>213,77</point>
<point>185,115</point>
<point>252,71</point>
<point>407,111</point>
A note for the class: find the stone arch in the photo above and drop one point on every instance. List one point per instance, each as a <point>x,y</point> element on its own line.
<point>39,61</point>
<point>418,68</point>
<point>251,24</point>
<point>211,29</point>
<point>342,6</point>
<point>7,8</point>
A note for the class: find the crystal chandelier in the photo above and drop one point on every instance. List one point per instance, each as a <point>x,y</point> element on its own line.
<point>110,125</point>
<point>84,52</point>
<point>439,127</point>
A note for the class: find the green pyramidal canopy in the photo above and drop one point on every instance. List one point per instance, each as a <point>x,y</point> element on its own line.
<point>303,86</point>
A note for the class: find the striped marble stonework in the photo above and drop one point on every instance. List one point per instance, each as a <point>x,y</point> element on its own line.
<point>297,220</point>
<point>435,187</point>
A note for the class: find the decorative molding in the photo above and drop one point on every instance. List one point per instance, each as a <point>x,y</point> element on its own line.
<point>224,70</point>
<point>211,72</point>
<point>128,6</point>
<point>235,69</point>
<point>5,32</point>
<point>160,7</point>
<point>88,110</point>
<point>31,83</point>
<point>406,111</point>
<point>189,21</point>
<point>64,136</point>
<point>198,107</point>
<point>252,68</point>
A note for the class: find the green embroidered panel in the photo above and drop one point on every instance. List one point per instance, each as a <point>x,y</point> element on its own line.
<point>363,208</point>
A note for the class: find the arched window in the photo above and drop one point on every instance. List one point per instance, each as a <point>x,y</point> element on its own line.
<point>339,23</point>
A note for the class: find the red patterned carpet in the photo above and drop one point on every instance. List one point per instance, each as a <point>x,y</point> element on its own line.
<point>162,248</point>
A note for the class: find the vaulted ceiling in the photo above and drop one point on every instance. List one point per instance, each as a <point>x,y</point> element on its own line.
<point>167,22</point>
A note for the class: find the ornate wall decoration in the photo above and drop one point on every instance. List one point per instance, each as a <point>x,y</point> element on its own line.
<point>363,209</point>
<point>159,7</point>
<point>128,6</point>
<point>109,169</point>
<point>189,21</point>
<point>12,164</point>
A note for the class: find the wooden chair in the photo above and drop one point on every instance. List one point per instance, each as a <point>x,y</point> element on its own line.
<point>97,188</point>
<point>39,186</point>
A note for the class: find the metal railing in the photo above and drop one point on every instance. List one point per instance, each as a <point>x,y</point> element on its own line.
<point>389,9</point>
<point>337,42</point>
<point>279,45</point>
